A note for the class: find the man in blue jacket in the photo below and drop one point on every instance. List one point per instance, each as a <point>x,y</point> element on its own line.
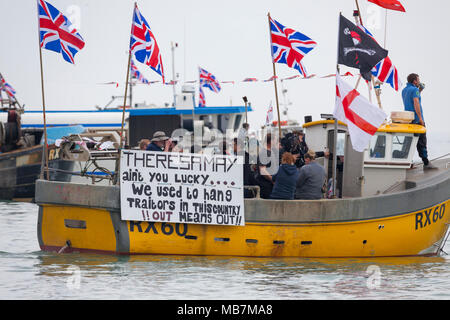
<point>413,102</point>
<point>311,179</point>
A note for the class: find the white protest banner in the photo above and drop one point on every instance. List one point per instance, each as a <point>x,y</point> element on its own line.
<point>181,188</point>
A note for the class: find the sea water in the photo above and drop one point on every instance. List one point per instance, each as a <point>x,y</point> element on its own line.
<point>28,273</point>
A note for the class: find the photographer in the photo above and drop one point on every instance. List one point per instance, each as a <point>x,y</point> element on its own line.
<point>295,143</point>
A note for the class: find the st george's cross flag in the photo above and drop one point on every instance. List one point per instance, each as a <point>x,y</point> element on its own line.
<point>362,117</point>
<point>56,32</point>
<point>143,44</point>
<point>357,49</point>
<point>289,46</point>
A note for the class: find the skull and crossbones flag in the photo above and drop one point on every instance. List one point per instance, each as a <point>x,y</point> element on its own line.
<point>356,49</point>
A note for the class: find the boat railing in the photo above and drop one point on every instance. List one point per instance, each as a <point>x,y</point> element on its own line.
<point>91,150</point>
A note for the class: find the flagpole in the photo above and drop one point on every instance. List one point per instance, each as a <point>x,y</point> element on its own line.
<point>357,81</point>
<point>45,147</point>
<point>274,80</point>
<point>126,84</point>
<point>125,101</point>
<point>335,131</point>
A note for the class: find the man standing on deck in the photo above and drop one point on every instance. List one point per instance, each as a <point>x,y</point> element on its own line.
<point>413,102</point>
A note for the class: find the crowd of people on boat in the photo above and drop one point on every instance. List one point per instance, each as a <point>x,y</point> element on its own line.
<point>285,169</point>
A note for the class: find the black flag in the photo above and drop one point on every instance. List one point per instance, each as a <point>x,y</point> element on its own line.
<point>356,49</point>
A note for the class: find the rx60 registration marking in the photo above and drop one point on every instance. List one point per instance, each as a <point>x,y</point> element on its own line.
<point>427,217</point>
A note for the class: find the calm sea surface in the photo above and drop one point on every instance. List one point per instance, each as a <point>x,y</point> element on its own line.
<point>28,273</point>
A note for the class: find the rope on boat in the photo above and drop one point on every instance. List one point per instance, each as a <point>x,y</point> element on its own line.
<point>447,233</point>
<point>81,174</point>
<point>67,245</point>
<point>441,157</point>
<point>421,163</point>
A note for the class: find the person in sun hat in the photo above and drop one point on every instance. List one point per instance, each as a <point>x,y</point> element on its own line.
<point>159,142</point>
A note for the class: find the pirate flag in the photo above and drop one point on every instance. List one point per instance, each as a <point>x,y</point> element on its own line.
<point>356,49</point>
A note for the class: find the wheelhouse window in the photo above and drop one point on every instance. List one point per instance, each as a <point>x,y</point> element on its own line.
<point>378,146</point>
<point>400,146</point>
<point>222,122</point>
<point>237,122</point>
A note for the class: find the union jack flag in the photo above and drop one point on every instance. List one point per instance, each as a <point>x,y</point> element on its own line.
<point>143,44</point>
<point>201,98</point>
<point>6,87</point>
<point>250,80</point>
<point>384,70</point>
<point>208,80</point>
<point>136,74</point>
<point>289,46</point>
<point>57,33</point>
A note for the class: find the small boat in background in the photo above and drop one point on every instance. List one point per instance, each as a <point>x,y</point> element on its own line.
<point>21,157</point>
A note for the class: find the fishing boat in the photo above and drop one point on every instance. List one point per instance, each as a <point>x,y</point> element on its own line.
<point>386,209</point>
<point>21,157</point>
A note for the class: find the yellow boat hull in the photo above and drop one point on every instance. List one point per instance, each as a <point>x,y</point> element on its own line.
<point>73,228</point>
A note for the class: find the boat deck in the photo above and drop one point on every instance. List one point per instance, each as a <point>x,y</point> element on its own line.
<point>422,178</point>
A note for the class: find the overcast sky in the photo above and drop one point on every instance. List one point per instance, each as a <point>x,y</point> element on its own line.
<point>231,40</point>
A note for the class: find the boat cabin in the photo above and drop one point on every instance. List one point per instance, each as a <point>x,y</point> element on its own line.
<point>379,169</point>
